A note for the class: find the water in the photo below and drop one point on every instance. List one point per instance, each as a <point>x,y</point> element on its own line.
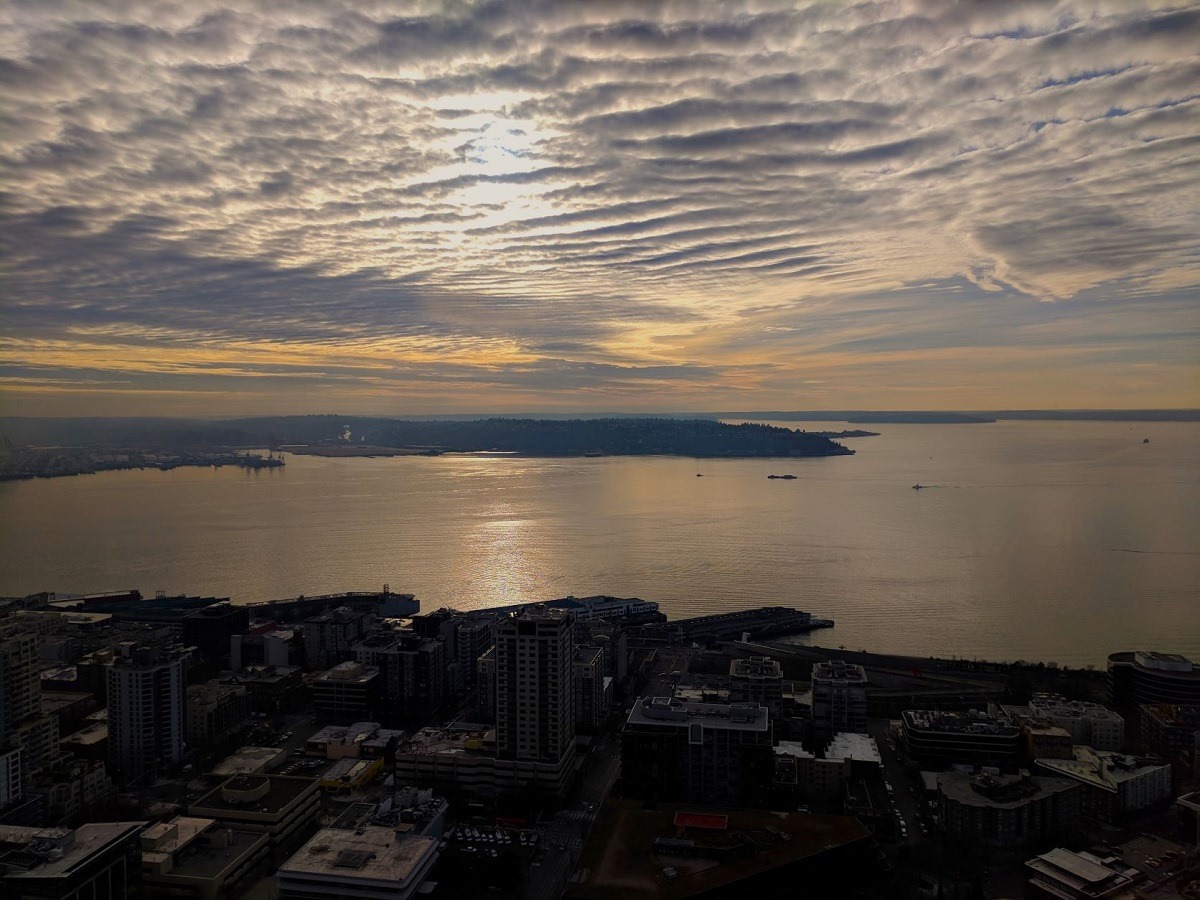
<point>1054,541</point>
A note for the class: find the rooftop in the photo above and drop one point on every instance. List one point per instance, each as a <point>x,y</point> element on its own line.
<point>269,794</point>
<point>370,852</point>
<point>345,734</point>
<point>349,672</point>
<point>668,711</point>
<point>999,791</point>
<point>31,849</point>
<point>1102,768</point>
<point>972,722</point>
<point>858,747</point>
<point>838,670</point>
<point>620,859</point>
<point>430,741</point>
<point>267,673</point>
<point>755,667</point>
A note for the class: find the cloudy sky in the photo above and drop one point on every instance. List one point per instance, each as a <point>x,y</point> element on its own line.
<point>225,208</point>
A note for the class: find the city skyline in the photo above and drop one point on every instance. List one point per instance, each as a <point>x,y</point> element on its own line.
<point>225,209</point>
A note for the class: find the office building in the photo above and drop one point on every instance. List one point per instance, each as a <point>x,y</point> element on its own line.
<point>1088,723</point>
<point>216,712</point>
<point>839,698</point>
<point>472,639</point>
<point>147,712</point>
<point>273,689</point>
<point>700,752</point>
<point>1007,811</point>
<point>209,630</point>
<point>283,807</point>
<point>413,671</point>
<point>329,638</point>
<point>957,737</point>
<point>95,860</point>
<point>347,692</point>
<point>535,686</point>
<point>1115,785</point>
<point>11,790</point>
<point>593,692</point>
<point>269,648</point>
<point>1172,732</point>
<point>192,858</point>
<point>367,863</point>
<point>75,790</point>
<point>759,679</point>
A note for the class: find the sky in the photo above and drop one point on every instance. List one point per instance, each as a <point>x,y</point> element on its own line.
<point>386,208</point>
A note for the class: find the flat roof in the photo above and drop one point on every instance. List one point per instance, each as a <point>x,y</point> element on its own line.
<point>960,788</point>
<point>284,789</point>
<point>89,839</point>
<point>858,747</point>
<point>620,859</point>
<point>367,853</point>
<point>660,711</point>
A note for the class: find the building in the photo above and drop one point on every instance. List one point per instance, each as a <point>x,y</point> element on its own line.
<point>75,790</point>
<point>273,689</point>
<point>147,712</point>
<point>101,859</point>
<point>283,807</point>
<point>270,648</point>
<point>1172,732</point>
<point>460,761</point>
<point>673,851</point>
<point>209,629</point>
<point>803,773</point>
<point>698,752</point>
<point>23,725</point>
<point>368,863</point>
<point>956,737</point>
<point>1007,811</point>
<point>839,698</point>
<point>348,776</point>
<point>11,790</point>
<point>860,751</point>
<point>535,687</point>
<point>1062,874</point>
<point>216,711</point>
<point>485,686</point>
<point>329,638</point>
<point>593,692</point>
<point>472,639</point>
<point>1088,723</point>
<point>759,679</point>
<point>251,761</point>
<point>1115,784</point>
<point>348,691</point>
<point>201,859</point>
<point>1144,676</point>
<point>413,671</point>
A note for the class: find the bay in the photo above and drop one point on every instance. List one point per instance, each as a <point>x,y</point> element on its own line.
<point>1053,541</point>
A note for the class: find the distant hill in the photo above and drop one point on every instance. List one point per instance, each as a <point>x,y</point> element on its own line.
<point>532,437</point>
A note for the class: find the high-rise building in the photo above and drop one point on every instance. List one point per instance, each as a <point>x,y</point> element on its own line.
<point>413,671</point>
<point>330,637</point>
<point>839,698</point>
<point>593,692</point>
<point>22,725</point>
<point>147,711</point>
<point>758,679</point>
<point>209,629</point>
<point>535,685</point>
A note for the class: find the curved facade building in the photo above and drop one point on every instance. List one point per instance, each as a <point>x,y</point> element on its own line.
<point>1144,676</point>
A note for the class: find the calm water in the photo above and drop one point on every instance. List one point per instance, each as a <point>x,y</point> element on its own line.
<point>1056,541</point>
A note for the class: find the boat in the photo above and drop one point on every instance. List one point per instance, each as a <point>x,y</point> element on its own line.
<point>699,474</point>
<point>784,477</point>
<point>918,486</point>
<point>1145,440</point>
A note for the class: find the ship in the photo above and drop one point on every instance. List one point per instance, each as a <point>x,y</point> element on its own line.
<point>918,486</point>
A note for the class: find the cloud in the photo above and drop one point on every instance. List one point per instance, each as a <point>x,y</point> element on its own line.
<point>604,190</point>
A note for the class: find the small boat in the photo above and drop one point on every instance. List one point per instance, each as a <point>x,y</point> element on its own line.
<point>918,486</point>
<point>699,474</point>
<point>1145,440</point>
<point>784,477</point>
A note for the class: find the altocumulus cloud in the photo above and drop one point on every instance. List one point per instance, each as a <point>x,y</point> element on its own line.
<point>466,205</point>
